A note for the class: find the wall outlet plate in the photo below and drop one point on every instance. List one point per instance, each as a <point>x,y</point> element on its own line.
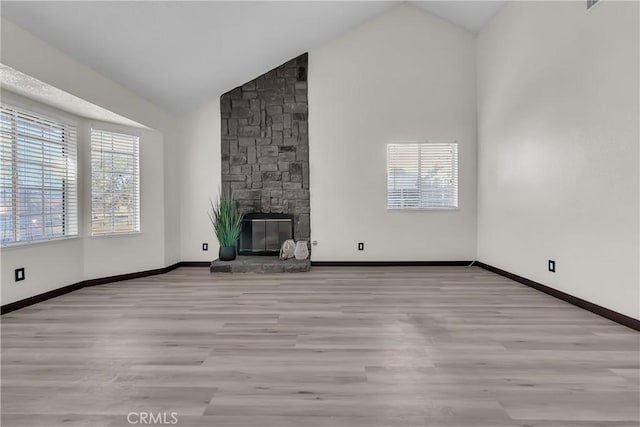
<point>552,266</point>
<point>361,246</point>
<point>19,272</point>
<point>205,246</point>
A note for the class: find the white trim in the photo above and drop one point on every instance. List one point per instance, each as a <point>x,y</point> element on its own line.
<point>136,139</point>
<point>122,234</point>
<point>404,210</point>
<point>25,243</point>
<point>39,118</point>
<point>419,143</point>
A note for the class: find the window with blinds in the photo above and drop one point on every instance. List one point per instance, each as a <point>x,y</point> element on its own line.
<point>38,177</point>
<point>422,175</point>
<point>115,183</point>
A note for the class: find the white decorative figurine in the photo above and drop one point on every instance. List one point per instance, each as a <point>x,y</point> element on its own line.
<point>288,249</point>
<point>302,250</point>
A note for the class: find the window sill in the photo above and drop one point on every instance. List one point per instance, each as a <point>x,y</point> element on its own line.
<point>109,235</point>
<point>422,209</point>
<point>31,243</point>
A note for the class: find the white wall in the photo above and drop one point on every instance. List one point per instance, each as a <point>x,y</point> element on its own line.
<point>48,266</point>
<point>172,140</point>
<point>54,264</point>
<point>200,180</point>
<point>558,147</point>
<point>388,103</point>
<point>405,76</point>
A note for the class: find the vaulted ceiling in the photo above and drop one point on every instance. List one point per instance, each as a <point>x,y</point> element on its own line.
<point>179,54</point>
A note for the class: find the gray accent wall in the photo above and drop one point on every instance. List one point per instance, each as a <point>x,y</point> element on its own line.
<point>265,144</point>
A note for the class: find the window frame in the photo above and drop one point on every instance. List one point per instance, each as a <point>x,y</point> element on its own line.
<point>71,193</point>
<point>423,208</point>
<point>114,129</point>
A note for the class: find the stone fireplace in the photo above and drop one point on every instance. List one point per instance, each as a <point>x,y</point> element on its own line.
<point>265,146</point>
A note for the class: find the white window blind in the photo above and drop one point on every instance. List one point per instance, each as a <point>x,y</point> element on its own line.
<point>38,177</point>
<point>115,183</point>
<point>422,175</point>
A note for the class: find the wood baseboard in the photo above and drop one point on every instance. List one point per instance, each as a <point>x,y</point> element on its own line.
<point>390,263</point>
<point>13,306</point>
<point>7,308</point>
<point>195,264</point>
<point>620,318</point>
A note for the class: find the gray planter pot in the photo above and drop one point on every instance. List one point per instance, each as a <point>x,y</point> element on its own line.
<point>227,253</point>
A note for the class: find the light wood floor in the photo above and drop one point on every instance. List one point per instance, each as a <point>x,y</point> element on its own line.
<point>347,347</point>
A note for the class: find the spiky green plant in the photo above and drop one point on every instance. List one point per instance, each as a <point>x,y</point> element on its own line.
<point>226,221</point>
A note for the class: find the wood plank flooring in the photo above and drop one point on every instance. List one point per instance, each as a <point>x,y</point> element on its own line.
<point>346,347</point>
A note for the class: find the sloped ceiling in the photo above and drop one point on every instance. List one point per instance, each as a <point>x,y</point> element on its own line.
<point>471,15</point>
<point>179,54</point>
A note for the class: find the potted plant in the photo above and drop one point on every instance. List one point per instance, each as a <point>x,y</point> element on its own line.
<point>227,224</point>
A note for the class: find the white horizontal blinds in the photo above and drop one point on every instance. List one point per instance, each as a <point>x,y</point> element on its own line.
<point>403,170</point>
<point>422,176</point>
<point>7,206</point>
<point>439,175</point>
<point>115,183</point>
<point>38,178</point>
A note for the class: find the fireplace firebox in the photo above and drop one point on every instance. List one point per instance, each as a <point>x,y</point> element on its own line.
<point>264,233</point>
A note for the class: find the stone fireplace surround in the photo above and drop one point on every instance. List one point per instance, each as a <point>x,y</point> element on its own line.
<point>265,144</point>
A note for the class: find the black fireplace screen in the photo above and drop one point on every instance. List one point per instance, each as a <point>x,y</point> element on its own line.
<point>264,234</point>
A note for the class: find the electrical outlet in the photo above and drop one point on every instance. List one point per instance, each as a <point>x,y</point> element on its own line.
<point>361,246</point>
<point>19,272</point>
<point>205,246</point>
<point>552,266</point>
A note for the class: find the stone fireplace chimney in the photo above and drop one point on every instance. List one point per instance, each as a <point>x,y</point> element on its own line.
<point>265,144</point>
